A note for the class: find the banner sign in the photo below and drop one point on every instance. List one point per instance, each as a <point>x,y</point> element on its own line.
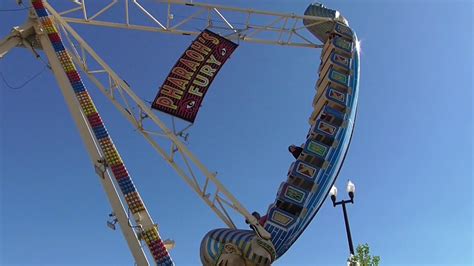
<point>186,85</point>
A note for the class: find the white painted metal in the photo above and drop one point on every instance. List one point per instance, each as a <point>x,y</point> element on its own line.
<point>9,43</point>
<point>133,107</point>
<point>251,25</point>
<point>19,36</point>
<point>148,14</point>
<point>93,150</point>
<point>103,9</point>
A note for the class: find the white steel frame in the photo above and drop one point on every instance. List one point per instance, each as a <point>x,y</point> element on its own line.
<point>138,113</point>
<point>96,155</point>
<point>249,25</point>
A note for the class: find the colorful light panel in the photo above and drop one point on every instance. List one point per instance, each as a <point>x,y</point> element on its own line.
<point>112,157</point>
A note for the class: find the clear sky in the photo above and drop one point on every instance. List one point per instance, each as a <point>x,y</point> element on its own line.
<point>411,154</point>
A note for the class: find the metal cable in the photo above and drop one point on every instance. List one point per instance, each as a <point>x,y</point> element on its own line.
<point>24,83</point>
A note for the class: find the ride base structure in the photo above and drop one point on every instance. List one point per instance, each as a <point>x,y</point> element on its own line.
<point>310,176</point>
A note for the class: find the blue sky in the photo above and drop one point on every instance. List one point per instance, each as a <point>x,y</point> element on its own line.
<point>411,154</point>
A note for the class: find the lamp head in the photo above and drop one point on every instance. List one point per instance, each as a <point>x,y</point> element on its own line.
<point>350,189</point>
<point>333,193</point>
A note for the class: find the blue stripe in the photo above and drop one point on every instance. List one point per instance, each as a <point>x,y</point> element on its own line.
<point>99,130</point>
<point>102,134</point>
<point>41,12</point>
<point>209,250</point>
<point>58,46</point>
<point>126,185</point>
<point>78,87</point>
<point>238,242</point>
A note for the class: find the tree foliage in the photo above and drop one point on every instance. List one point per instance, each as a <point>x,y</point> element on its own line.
<point>363,257</point>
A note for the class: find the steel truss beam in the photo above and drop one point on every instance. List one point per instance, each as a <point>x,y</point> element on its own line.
<point>20,36</point>
<point>95,153</point>
<point>246,25</point>
<point>138,113</point>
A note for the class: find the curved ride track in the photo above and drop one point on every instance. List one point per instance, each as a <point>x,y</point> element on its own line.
<point>318,160</point>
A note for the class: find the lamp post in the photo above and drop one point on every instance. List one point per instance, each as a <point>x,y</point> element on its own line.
<point>350,191</point>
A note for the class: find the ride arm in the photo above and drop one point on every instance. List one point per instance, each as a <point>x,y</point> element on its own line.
<point>189,167</point>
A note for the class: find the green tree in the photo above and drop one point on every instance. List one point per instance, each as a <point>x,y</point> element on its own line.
<point>363,257</point>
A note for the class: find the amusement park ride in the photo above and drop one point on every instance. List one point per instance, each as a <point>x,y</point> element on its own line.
<point>310,176</point>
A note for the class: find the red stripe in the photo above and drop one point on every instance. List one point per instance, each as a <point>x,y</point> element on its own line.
<point>94,120</point>
<point>73,76</point>
<point>38,4</point>
<point>54,37</point>
<point>119,171</point>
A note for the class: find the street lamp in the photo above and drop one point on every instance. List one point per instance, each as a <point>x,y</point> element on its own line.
<point>350,190</point>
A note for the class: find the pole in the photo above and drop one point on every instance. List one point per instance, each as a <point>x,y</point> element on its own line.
<point>348,229</point>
